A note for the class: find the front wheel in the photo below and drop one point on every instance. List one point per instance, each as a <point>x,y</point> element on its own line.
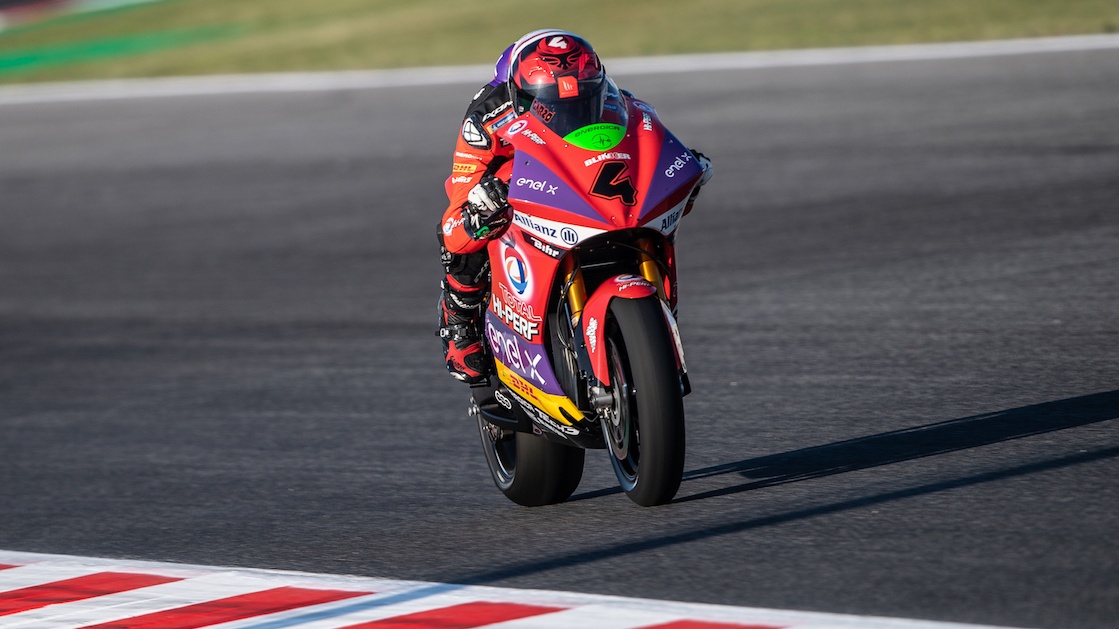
<point>530,470</point>
<point>644,427</point>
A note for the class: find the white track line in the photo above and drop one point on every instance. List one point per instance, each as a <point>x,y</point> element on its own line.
<point>476,74</point>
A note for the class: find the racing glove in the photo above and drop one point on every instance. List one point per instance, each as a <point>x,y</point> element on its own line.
<point>708,171</point>
<point>708,168</point>
<point>487,207</point>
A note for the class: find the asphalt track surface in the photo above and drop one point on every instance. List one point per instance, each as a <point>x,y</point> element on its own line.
<point>899,309</point>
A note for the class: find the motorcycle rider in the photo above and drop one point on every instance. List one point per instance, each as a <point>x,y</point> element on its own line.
<point>478,185</point>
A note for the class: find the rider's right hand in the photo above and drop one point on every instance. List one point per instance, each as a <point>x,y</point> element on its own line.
<point>487,207</point>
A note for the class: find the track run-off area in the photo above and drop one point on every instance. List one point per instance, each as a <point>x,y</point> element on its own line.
<point>44,591</point>
<point>221,393</point>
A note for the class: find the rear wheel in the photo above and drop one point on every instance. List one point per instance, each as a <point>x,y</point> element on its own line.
<point>644,427</point>
<point>528,469</point>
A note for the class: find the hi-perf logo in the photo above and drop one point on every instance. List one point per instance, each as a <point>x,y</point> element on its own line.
<point>516,313</point>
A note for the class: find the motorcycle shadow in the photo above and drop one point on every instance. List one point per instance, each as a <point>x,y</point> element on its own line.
<point>899,445</point>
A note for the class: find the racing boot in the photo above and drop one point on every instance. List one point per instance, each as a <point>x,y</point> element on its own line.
<point>460,329</point>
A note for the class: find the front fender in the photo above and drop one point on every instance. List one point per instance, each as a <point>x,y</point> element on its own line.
<point>593,321</point>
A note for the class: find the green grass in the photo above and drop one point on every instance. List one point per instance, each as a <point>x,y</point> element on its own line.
<point>177,37</point>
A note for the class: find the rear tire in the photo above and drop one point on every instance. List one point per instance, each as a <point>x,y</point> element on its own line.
<point>644,431</point>
<point>530,470</point>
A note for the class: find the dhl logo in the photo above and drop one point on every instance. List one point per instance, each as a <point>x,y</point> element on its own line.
<point>549,404</point>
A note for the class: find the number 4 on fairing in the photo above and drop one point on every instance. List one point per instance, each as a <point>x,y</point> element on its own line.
<point>611,183</point>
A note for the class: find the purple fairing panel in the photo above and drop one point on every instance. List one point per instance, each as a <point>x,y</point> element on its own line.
<point>526,359</point>
<point>536,183</point>
<point>676,168</point>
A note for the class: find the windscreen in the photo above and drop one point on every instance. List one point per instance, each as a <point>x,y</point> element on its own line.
<point>570,108</point>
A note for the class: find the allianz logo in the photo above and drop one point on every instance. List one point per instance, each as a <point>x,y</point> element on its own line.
<point>527,222</point>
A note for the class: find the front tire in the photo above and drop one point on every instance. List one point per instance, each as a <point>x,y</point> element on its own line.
<point>530,470</point>
<point>644,428</point>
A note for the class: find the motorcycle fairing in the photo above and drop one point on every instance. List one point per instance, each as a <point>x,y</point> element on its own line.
<point>557,233</point>
<point>525,369</point>
<point>669,220</point>
<point>522,278</point>
<point>563,195</point>
<point>525,358</point>
<point>641,181</point>
<point>499,405</point>
<point>554,413</point>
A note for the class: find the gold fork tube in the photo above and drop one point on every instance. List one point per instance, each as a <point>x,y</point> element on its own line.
<point>577,290</point>
<point>649,268</point>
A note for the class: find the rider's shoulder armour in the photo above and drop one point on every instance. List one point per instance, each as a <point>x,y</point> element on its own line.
<point>490,110</point>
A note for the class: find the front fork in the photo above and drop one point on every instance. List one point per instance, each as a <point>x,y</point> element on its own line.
<point>650,267</point>
<point>576,297</point>
<point>576,289</point>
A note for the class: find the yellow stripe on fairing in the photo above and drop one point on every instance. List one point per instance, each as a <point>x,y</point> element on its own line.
<point>550,404</point>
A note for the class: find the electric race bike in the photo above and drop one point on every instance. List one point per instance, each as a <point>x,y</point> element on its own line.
<point>580,321</point>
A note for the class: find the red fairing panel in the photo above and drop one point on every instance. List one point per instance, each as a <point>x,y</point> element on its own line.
<point>642,181</point>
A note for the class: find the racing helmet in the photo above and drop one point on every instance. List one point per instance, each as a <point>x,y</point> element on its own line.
<point>554,64</point>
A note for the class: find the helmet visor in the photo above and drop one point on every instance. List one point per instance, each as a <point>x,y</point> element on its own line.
<point>569,104</point>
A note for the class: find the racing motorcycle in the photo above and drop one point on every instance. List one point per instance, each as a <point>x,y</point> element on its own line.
<point>580,320</point>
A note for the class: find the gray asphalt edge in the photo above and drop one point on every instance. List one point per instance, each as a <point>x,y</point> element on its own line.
<point>473,74</point>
